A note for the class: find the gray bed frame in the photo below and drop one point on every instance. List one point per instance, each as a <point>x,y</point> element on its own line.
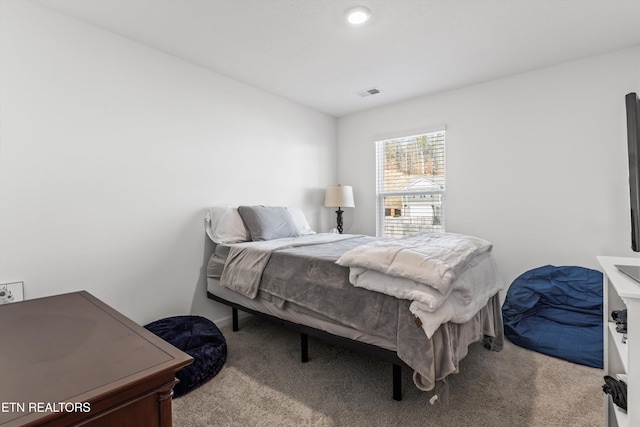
<point>306,331</point>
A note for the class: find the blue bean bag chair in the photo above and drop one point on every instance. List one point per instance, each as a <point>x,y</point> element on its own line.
<point>557,311</point>
<point>201,339</point>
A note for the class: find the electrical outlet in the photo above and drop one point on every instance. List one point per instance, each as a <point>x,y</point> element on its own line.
<point>11,292</point>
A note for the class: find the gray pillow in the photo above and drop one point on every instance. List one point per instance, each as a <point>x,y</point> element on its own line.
<point>268,222</point>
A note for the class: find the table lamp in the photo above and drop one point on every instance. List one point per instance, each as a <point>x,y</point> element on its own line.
<point>339,196</point>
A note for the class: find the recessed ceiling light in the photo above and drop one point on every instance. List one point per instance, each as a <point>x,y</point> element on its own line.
<point>358,15</point>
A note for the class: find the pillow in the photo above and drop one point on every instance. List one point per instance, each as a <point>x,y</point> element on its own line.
<point>268,222</point>
<point>300,221</point>
<point>224,225</point>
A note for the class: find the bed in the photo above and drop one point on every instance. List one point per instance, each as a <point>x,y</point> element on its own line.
<point>417,302</point>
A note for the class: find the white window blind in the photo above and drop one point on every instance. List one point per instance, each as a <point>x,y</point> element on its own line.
<point>410,182</point>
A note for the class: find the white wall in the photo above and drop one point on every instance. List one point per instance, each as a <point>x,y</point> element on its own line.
<point>536,163</point>
<point>110,152</point>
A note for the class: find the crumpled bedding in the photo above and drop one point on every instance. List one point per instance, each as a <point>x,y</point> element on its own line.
<point>432,259</point>
<point>468,293</point>
<point>434,359</point>
<point>431,270</point>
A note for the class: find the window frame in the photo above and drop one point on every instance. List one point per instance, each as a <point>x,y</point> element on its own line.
<point>380,194</point>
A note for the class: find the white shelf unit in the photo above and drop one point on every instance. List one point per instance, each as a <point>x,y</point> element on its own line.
<point>620,292</point>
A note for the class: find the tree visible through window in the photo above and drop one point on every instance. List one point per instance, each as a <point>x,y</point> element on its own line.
<point>410,184</point>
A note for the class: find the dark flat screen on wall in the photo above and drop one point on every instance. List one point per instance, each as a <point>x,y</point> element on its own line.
<point>633,138</point>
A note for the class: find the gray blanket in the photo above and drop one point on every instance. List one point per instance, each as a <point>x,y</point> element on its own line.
<point>308,277</point>
<point>246,261</point>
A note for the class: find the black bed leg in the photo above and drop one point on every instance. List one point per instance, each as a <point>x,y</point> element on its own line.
<point>397,382</point>
<point>304,347</point>
<point>234,317</point>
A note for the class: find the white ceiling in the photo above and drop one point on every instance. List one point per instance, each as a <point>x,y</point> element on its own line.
<point>304,50</point>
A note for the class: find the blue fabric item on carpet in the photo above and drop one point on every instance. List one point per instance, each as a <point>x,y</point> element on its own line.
<point>557,311</point>
<point>201,339</point>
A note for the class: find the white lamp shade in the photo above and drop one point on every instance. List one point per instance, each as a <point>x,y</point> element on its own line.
<point>339,196</point>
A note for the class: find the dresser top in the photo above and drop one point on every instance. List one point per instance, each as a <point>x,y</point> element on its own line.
<point>72,348</point>
<point>625,286</point>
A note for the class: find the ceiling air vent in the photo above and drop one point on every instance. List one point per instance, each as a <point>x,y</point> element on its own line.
<point>368,92</point>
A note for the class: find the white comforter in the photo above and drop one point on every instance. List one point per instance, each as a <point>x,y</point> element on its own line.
<point>447,276</point>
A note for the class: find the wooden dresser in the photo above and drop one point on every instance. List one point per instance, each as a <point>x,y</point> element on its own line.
<point>72,360</point>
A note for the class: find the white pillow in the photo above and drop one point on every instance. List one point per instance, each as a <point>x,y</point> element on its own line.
<point>300,221</point>
<point>224,225</point>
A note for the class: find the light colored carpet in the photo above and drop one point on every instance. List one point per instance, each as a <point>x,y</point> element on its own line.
<point>264,383</point>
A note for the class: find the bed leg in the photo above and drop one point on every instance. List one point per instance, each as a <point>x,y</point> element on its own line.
<point>304,347</point>
<point>234,317</point>
<point>397,382</point>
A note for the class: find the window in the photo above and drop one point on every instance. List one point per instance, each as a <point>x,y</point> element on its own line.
<point>410,182</point>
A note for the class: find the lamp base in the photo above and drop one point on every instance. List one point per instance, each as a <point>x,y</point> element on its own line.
<point>339,213</point>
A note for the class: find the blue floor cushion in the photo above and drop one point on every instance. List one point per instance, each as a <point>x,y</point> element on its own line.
<point>557,311</point>
<point>201,339</point>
